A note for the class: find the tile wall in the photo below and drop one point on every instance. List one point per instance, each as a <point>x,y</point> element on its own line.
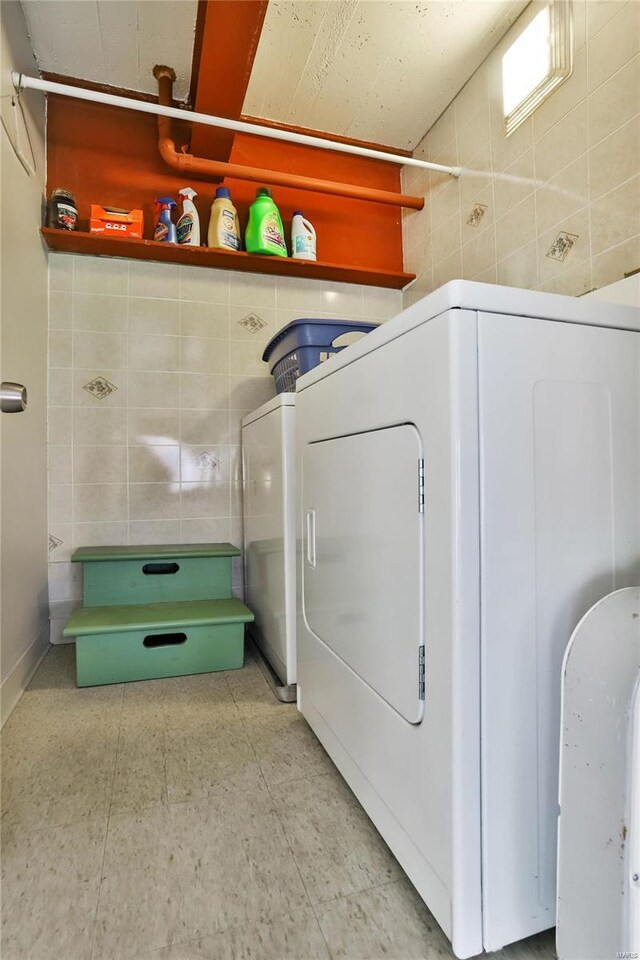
<point>555,206</point>
<point>151,369</point>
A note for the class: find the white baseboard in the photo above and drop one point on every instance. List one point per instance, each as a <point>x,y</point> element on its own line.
<point>16,683</point>
<point>56,636</point>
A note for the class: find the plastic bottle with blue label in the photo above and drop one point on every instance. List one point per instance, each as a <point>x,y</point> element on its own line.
<point>165,227</point>
<point>188,226</point>
<point>303,238</point>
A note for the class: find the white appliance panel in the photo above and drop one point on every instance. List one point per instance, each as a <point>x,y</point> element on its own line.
<point>364,540</point>
<point>530,424</point>
<point>269,531</point>
<point>419,782</point>
<point>560,493</point>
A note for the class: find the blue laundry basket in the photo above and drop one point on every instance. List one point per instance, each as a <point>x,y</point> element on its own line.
<point>303,344</point>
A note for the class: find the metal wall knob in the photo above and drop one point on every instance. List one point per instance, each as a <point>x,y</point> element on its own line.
<point>13,397</point>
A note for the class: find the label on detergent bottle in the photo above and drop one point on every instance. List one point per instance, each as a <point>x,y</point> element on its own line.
<point>184,227</point>
<point>303,244</point>
<point>229,236</point>
<point>161,231</point>
<point>67,216</point>
<point>271,232</point>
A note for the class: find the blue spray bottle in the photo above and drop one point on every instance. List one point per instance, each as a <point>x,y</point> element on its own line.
<point>165,227</point>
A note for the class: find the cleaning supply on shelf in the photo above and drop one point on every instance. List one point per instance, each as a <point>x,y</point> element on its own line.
<point>303,238</point>
<point>116,222</point>
<point>224,227</point>
<point>165,227</point>
<point>265,233</point>
<point>188,225</point>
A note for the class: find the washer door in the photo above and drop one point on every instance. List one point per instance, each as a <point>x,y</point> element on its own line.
<point>363,567</point>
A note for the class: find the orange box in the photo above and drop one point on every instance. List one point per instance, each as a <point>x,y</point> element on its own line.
<point>114,222</point>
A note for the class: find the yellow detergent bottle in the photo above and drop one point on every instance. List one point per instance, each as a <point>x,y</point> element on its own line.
<point>224,229</point>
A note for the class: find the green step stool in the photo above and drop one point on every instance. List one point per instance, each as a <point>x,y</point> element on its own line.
<point>194,571</point>
<point>157,611</point>
<point>150,640</point>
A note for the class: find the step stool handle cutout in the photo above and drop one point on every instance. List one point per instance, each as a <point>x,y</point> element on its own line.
<point>160,568</point>
<point>164,640</point>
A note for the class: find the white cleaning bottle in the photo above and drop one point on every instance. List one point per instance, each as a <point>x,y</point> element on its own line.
<point>303,238</point>
<point>188,226</point>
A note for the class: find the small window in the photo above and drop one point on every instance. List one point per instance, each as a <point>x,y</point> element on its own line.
<point>538,60</point>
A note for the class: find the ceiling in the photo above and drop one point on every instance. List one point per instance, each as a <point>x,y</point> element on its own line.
<point>117,42</point>
<point>375,70</point>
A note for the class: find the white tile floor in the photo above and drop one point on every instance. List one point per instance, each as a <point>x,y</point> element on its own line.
<point>192,819</point>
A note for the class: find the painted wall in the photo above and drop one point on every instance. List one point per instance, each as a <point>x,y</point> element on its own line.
<point>110,156</point>
<point>152,367</point>
<point>555,206</point>
<point>24,603</point>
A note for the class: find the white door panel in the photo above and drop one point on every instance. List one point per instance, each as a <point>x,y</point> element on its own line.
<point>560,434</point>
<point>364,541</point>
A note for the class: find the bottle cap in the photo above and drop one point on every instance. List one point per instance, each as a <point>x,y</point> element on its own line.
<point>263,192</point>
<point>166,201</point>
<point>223,192</point>
<point>188,192</point>
<point>63,193</point>
<point>298,213</point>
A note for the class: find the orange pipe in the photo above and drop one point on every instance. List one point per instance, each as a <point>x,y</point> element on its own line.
<point>202,169</point>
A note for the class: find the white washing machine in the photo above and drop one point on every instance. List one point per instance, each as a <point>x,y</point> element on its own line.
<point>469,485</point>
<point>268,459</point>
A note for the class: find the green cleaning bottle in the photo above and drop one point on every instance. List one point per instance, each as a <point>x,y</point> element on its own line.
<point>265,233</point>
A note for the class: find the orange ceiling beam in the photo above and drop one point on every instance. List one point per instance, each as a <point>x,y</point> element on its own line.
<point>227,36</point>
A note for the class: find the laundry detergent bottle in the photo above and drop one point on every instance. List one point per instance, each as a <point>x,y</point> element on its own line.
<point>188,226</point>
<point>303,238</point>
<point>224,228</point>
<point>265,233</point>
<point>165,227</point>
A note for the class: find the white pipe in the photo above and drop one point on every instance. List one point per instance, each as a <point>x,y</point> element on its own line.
<point>21,82</point>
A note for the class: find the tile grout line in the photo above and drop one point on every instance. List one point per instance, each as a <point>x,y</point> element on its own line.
<point>164,758</point>
<point>106,832</point>
<point>589,147</point>
<point>227,929</point>
<point>72,399</point>
<point>128,458</point>
<point>286,837</point>
<point>352,800</point>
<point>357,893</point>
<point>180,408</point>
<point>536,238</point>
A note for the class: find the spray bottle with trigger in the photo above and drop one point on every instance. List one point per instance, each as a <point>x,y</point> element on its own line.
<point>165,227</point>
<point>188,226</point>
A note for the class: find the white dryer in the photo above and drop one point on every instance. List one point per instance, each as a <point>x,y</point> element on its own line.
<point>469,485</point>
<point>268,461</point>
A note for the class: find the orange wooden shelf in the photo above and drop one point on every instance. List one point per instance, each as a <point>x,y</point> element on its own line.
<point>71,241</point>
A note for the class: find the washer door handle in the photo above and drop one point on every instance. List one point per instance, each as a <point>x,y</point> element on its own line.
<point>13,397</point>
<point>311,538</point>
